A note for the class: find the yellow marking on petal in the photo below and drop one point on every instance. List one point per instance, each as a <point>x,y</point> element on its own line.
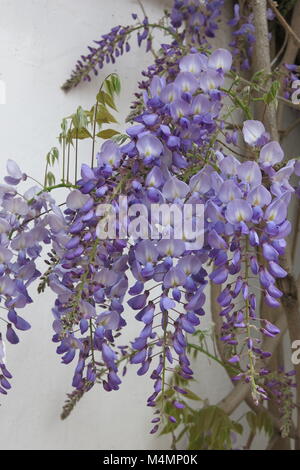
<point>272,215</point>
<point>240,217</point>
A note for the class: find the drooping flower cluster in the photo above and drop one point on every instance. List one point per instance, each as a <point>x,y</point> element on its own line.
<point>243,35</point>
<point>243,38</point>
<point>197,17</point>
<point>291,82</point>
<point>170,159</point>
<point>108,48</point>
<point>24,229</point>
<point>91,274</point>
<point>280,385</point>
<point>173,156</point>
<point>248,230</point>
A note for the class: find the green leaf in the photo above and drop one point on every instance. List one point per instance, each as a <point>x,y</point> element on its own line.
<point>121,138</point>
<point>237,427</point>
<point>192,396</point>
<point>52,156</point>
<point>260,422</point>
<point>50,179</point>
<point>105,98</point>
<point>64,125</point>
<point>81,134</point>
<point>169,428</point>
<point>211,429</point>
<point>104,116</point>
<point>107,133</point>
<point>258,76</point>
<point>114,83</point>
<point>271,95</point>
<point>79,119</point>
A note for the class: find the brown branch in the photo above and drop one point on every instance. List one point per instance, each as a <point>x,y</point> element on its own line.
<point>294,239</point>
<point>290,300</point>
<point>290,303</point>
<point>289,56</point>
<point>262,61</point>
<point>215,290</point>
<point>288,130</point>
<point>292,48</point>
<point>284,23</point>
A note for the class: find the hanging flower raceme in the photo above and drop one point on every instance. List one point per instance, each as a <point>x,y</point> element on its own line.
<point>109,234</point>
<point>198,17</point>
<point>24,229</point>
<point>90,278</point>
<point>169,159</point>
<point>248,231</point>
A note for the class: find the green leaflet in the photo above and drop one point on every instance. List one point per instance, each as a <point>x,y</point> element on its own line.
<point>107,133</point>
<point>211,428</point>
<point>259,422</point>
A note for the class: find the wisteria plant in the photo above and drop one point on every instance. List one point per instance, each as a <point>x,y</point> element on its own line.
<point>206,128</point>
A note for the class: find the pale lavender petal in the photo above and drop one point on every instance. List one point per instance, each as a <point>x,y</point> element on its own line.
<point>229,191</point>
<point>193,63</point>
<point>149,146</point>
<point>174,277</point>
<point>253,131</point>
<point>259,196</point>
<point>220,59</point>
<point>200,104</point>
<point>210,80</point>
<point>175,189</point>
<point>249,172</point>
<point>170,93</point>
<point>271,154</point>
<point>76,199</point>
<point>238,211</point>
<point>186,82</point>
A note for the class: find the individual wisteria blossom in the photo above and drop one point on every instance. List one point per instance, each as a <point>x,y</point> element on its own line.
<point>254,133</point>
<point>291,81</point>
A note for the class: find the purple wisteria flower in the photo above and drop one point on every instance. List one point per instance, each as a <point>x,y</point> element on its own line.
<point>171,156</point>
<point>254,133</point>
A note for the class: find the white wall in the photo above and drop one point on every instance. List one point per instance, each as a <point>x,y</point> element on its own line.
<point>40,41</point>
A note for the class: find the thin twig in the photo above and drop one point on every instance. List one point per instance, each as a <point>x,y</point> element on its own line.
<point>289,129</point>
<point>284,23</point>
